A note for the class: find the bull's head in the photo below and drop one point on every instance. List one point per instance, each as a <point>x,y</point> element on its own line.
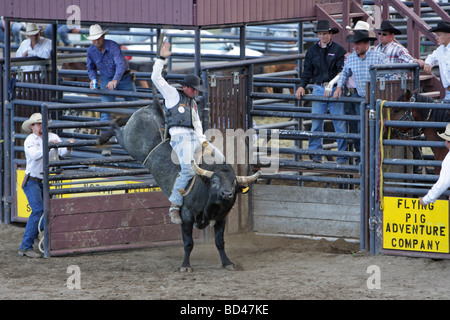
<point>223,185</point>
<point>242,181</point>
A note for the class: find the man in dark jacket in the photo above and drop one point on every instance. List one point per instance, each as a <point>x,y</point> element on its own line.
<point>324,61</point>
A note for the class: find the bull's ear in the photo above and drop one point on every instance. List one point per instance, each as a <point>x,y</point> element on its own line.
<point>242,189</point>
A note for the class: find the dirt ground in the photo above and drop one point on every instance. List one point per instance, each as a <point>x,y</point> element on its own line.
<point>269,268</point>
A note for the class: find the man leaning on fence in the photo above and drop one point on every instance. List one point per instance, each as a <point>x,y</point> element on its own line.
<point>441,55</point>
<point>323,61</point>
<point>34,46</point>
<point>359,62</point>
<point>394,51</point>
<point>106,56</point>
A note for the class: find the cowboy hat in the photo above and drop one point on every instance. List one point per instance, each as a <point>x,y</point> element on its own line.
<point>325,26</point>
<point>35,118</point>
<point>360,35</point>
<point>191,80</point>
<point>360,25</point>
<point>388,26</point>
<point>442,26</point>
<point>32,29</point>
<point>445,135</point>
<point>95,32</point>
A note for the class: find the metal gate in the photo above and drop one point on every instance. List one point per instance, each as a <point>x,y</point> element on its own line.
<point>233,84</point>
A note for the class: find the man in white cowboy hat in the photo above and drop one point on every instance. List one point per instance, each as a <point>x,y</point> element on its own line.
<point>441,55</point>
<point>184,125</point>
<point>394,51</point>
<point>443,182</point>
<point>32,184</point>
<point>324,61</point>
<point>34,46</point>
<point>106,57</point>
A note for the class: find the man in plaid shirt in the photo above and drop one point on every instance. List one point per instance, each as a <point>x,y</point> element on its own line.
<point>393,50</point>
<point>359,62</point>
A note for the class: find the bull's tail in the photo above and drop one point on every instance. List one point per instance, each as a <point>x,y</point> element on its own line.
<point>111,131</point>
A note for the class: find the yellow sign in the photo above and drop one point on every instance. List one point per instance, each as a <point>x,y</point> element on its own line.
<point>24,210</point>
<point>407,225</point>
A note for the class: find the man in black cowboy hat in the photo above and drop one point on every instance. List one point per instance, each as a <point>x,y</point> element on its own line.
<point>184,125</point>
<point>359,61</point>
<point>393,50</point>
<point>323,61</point>
<point>441,55</point>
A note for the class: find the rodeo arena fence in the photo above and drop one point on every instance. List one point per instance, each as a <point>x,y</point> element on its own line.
<point>300,198</point>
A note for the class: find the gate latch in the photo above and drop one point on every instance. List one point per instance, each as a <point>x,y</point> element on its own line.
<point>382,84</point>
<point>403,83</point>
<point>212,81</point>
<point>235,78</point>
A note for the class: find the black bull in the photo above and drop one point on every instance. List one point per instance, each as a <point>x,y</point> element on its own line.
<point>215,187</point>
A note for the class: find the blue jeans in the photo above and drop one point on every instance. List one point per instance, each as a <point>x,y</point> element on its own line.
<point>62,31</point>
<point>125,84</point>
<point>33,191</point>
<point>185,146</point>
<point>15,31</point>
<point>447,95</point>
<point>340,126</point>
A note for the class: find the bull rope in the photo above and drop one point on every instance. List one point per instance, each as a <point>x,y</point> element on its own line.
<point>151,151</point>
<point>163,140</point>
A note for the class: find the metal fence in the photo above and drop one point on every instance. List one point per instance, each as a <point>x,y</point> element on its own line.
<point>403,182</point>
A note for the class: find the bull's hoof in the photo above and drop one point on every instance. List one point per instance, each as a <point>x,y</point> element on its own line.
<point>231,267</point>
<point>186,269</point>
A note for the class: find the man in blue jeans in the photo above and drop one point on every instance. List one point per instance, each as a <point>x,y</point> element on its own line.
<point>32,184</point>
<point>106,56</point>
<point>185,128</point>
<point>324,61</point>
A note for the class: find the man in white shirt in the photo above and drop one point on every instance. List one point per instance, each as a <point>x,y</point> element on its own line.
<point>34,46</point>
<point>32,184</point>
<point>441,55</point>
<point>443,182</point>
<point>184,125</point>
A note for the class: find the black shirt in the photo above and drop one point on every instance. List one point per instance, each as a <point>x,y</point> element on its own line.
<point>322,64</point>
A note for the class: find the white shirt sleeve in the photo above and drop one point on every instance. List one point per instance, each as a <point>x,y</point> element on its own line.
<point>432,59</point>
<point>172,97</point>
<point>442,184</point>
<point>23,47</point>
<point>169,93</point>
<point>198,128</point>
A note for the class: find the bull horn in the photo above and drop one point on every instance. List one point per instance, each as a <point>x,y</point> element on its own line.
<point>200,171</point>
<point>248,179</point>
